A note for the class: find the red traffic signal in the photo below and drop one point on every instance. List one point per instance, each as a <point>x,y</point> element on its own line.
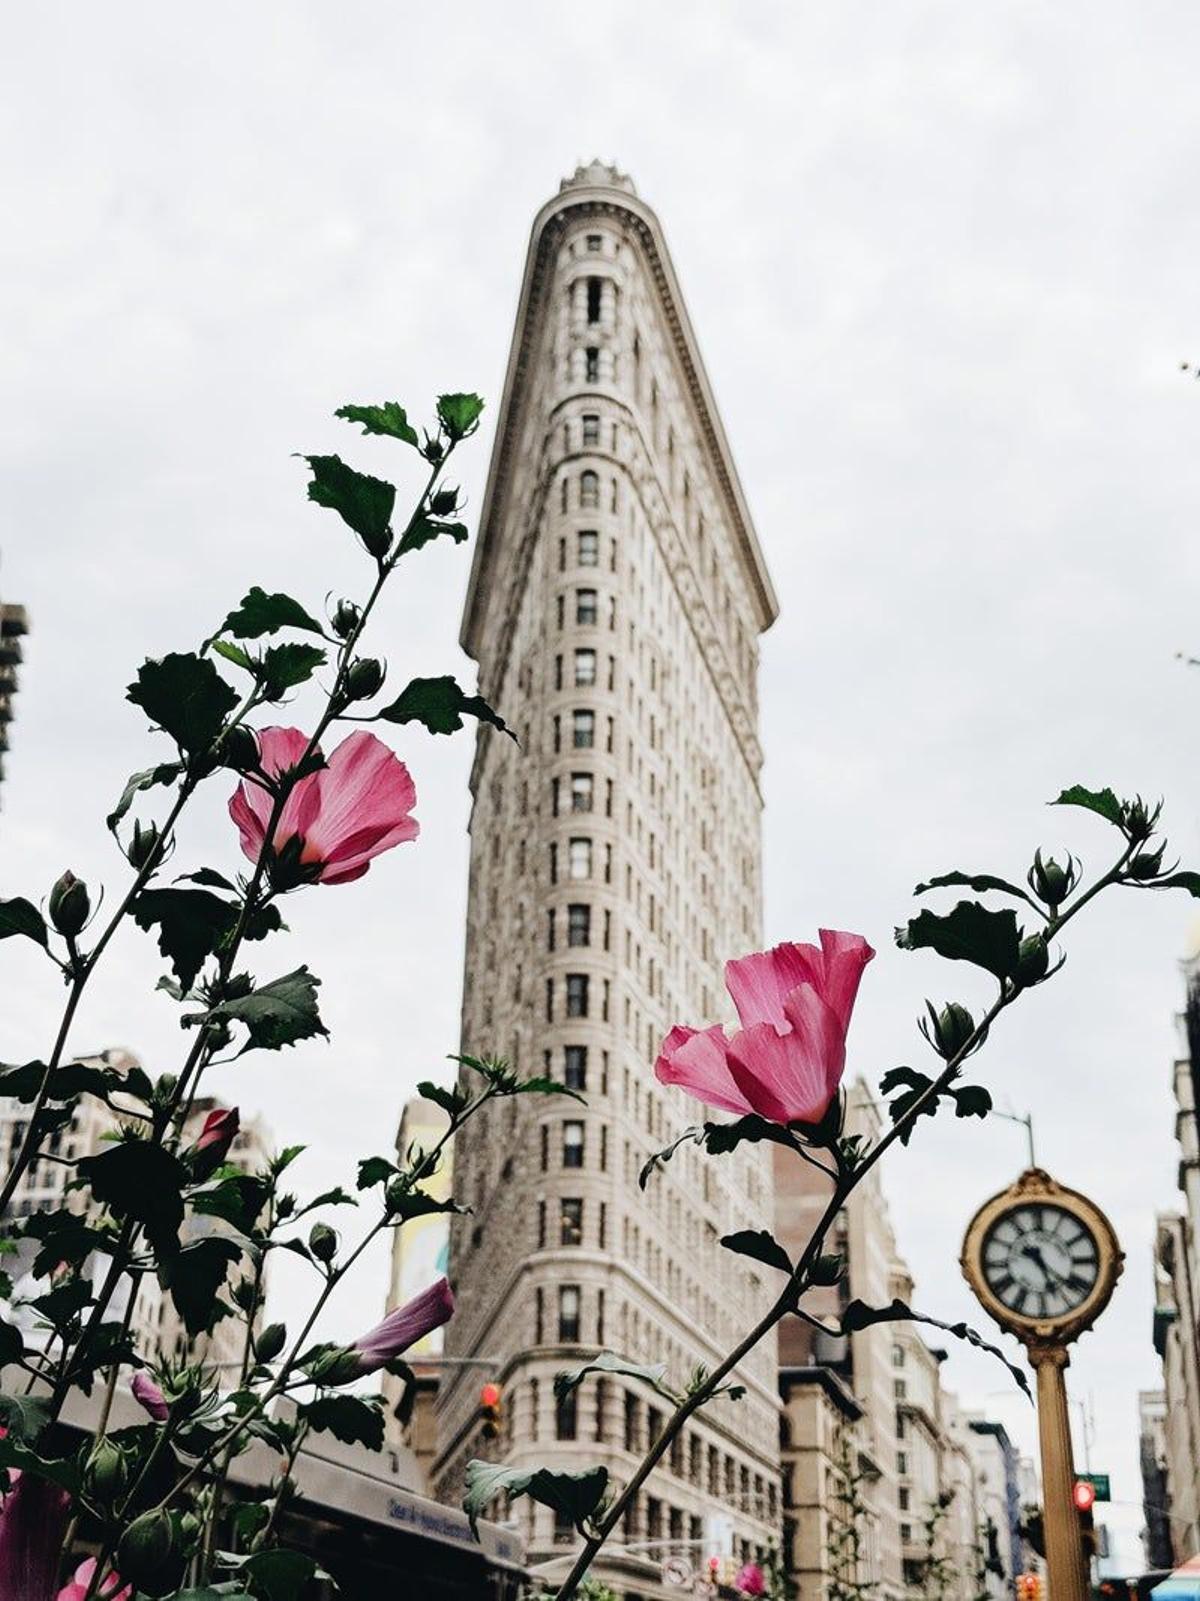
<point>489,1410</point>
<point>1084,1495</point>
<point>489,1395</point>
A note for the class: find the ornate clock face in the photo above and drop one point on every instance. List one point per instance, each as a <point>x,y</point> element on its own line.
<point>1040,1260</point>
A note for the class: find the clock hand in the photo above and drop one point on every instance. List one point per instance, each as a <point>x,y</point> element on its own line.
<point>1033,1252</point>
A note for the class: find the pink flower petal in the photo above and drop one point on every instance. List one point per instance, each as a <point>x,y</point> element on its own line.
<point>696,1061</point>
<point>758,983</point>
<point>405,1326</point>
<point>148,1395</point>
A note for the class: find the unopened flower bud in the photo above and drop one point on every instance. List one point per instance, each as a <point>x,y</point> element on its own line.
<point>1138,820</point>
<point>323,1242</point>
<point>948,1030</point>
<point>69,905</point>
<point>345,618</point>
<point>1049,881</point>
<point>1146,864</point>
<point>146,1547</point>
<point>342,1365</point>
<point>364,678</point>
<point>144,845</point>
<point>270,1342</point>
<point>239,749</point>
<point>444,502</point>
<point>106,1473</point>
<point>1034,961</point>
<point>827,1269</point>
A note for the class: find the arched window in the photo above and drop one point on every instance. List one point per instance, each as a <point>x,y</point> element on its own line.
<point>589,490</point>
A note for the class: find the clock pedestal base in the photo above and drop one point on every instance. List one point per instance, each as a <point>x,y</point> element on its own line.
<point>1068,1573</point>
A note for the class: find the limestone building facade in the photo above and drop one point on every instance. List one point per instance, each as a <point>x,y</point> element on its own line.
<point>614,609</point>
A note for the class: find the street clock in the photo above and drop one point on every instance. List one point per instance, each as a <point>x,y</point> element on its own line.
<point>1042,1259</point>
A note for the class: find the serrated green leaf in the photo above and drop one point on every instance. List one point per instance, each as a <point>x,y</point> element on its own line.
<point>652,1373</point>
<point>761,1245</point>
<point>194,1277</point>
<point>903,1077</point>
<point>364,503</point>
<point>353,1419</point>
<point>164,773</point>
<point>374,1170</point>
<point>192,924</point>
<point>439,704</point>
<point>389,419</point>
<point>969,933</point>
<point>459,414</point>
<point>971,1100</point>
<point>285,667</point>
<point>979,882</point>
<point>185,696</point>
<point>1101,801</point>
<point>137,1180</point>
<point>25,1417</point>
<point>238,1199</point>
<point>19,916</point>
<point>261,613</point>
<point>235,654</point>
<point>280,1013</point>
<point>424,529</point>
<point>858,1315</point>
<point>451,1101</point>
<point>721,1138</point>
<point>279,1575</point>
<point>575,1495</point>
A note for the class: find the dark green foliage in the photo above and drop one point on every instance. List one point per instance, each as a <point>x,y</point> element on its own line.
<point>353,1419</point>
<point>141,1182</point>
<point>459,414</point>
<point>979,882</point>
<point>237,1198</point>
<point>422,530</point>
<point>261,613</point>
<point>389,420</point>
<point>364,503</point>
<point>969,933</point>
<point>185,696</point>
<point>194,1277</point>
<point>575,1495</point>
<point>439,704</point>
<point>858,1315</point>
<point>276,1014</point>
<point>164,773</point>
<point>1101,801</point>
<point>19,916</point>
<point>652,1373</point>
<point>761,1245</point>
<point>284,667</point>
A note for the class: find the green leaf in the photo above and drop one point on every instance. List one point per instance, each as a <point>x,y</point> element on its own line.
<point>1101,801</point>
<point>570,1378</point>
<point>389,419</point>
<point>25,1417</point>
<point>424,529</point>
<point>261,613</point>
<point>23,1082</point>
<point>285,667</point>
<point>439,704</point>
<point>192,925</point>
<point>575,1495</point>
<point>63,1304</point>
<point>374,1170</point>
<point>693,1136</point>
<point>276,1014</point>
<point>544,1086</point>
<point>279,1575</point>
<point>914,1085</point>
<point>185,696</point>
<point>721,1138</point>
<point>164,773</point>
<point>1187,881</point>
<point>353,1419</point>
<point>452,1101</point>
<point>365,504</point>
<point>140,1181</point>
<point>971,1100</point>
<point>858,1315</point>
<point>969,933</point>
<point>459,414</point>
<point>238,1199</point>
<point>194,1277</point>
<point>979,882</point>
<point>761,1245</point>
<point>20,916</point>
<point>404,1203</point>
<point>235,654</point>
<point>12,1346</point>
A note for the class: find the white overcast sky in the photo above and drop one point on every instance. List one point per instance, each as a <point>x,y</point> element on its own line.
<point>942,263</point>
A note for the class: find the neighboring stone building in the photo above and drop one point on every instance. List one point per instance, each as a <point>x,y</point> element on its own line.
<point>1156,1495</point>
<point>997,1501</point>
<point>13,625</point>
<point>614,606</point>
<point>1176,1328</point>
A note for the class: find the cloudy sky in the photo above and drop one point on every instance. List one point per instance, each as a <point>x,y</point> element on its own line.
<point>941,260</point>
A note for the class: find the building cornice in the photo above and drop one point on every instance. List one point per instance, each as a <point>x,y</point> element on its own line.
<point>590,200</point>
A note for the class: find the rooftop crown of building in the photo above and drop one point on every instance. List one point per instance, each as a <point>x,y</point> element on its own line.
<point>598,175</point>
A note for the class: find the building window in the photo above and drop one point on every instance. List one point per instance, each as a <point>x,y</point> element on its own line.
<point>585,669</point>
<point>575,1067</point>
<point>903,1493</point>
<point>568,1313</point>
<point>631,1422</point>
<point>591,430</point>
<point>550,919</point>
<point>549,1000</point>
<point>906,1534</point>
<point>558,671</point>
<point>901,1389</point>
<point>577,994</point>
<point>582,790</point>
<point>545,1146</point>
<point>579,859</point>
<point>601,1393</point>
<point>541,1233</point>
<point>592,367</point>
<point>901,1462</point>
<point>594,244</point>
<point>572,1152</point>
<point>583,729</point>
<point>898,1355</point>
<point>579,924</point>
<point>559,607</point>
<point>589,547</point>
<point>586,609</point>
<point>593,299</point>
<point>554,864</point>
<point>571,1221</point>
<point>589,490</point>
<point>565,1415</point>
<point>539,1316</point>
<point>533,1409</point>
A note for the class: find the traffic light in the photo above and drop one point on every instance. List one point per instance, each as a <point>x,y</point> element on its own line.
<point>1029,1587</point>
<point>1084,1497</point>
<point>490,1410</point>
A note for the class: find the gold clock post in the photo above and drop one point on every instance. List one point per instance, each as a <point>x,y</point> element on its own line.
<point>1043,1261</point>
